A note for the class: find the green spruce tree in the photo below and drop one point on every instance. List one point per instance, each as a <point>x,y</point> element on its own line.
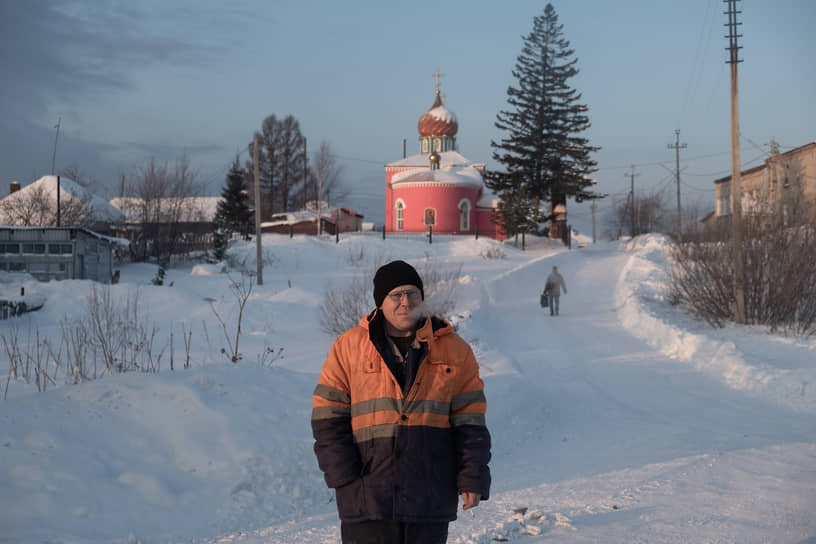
<point>219,249</point>
<point>544,156</point>
<point>233,214</point>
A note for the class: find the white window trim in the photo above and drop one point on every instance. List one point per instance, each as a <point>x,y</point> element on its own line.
<point>466,226</point>
<point>399,215</point>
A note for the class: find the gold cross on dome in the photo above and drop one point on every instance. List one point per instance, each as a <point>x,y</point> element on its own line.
<point>438,78</point>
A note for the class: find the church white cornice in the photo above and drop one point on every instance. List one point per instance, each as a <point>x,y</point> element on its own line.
<point>433,184</point>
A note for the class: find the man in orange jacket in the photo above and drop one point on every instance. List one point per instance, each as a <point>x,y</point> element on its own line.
<point>398,417</point>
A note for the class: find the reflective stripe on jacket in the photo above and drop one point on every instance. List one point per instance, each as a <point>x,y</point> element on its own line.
<point>401,457</point>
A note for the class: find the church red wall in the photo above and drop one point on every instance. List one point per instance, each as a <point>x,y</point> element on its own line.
<point>444,200</point>
<point>487,227</point>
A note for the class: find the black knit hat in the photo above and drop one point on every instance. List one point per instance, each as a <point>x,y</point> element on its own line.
<point>392,275</point>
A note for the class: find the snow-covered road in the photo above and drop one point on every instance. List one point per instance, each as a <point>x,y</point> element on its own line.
<point>621,420</point>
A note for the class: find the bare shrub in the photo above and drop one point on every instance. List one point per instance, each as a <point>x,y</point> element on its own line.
<point>269,355</point>
<point>780,279</point>
<point>29,358</point>
<point>242,290</point>
<point>343,308</point>
<point>440,287</point>
<point>493,253</point>
<point>187,335</point>
<point>75,336</point>
<point>355,255</point>
<point>118,334</point>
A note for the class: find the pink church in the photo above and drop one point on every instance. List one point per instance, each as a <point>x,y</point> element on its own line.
<point>439,188</point>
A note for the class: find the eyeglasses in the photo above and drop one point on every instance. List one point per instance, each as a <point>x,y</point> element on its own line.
<point>412,294</point>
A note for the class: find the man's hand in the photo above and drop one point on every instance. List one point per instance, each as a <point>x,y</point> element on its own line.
<point>470,500</point>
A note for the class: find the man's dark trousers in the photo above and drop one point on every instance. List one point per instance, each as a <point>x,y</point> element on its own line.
<point>393,532</point>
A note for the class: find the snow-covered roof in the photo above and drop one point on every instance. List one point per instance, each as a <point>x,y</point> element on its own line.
<point>451,175</point>
<point>290,218</point>
<point>101,209</point>
<point>446,158</point>
<point>194,209</point>
<point>488,200</point>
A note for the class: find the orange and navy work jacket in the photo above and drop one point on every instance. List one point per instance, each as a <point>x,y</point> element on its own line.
<point>395,456</point>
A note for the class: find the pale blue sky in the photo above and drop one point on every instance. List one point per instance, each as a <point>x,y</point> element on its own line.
<point>134,80</point>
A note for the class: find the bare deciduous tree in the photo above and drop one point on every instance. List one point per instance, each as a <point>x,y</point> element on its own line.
<point>325,178</point>
<point>75,173</point>
<point>162,199</point>
<point>649,214</point>
<point>281,164</point>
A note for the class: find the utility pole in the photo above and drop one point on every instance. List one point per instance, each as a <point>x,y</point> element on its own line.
<point>632,195</point>
<point>592,207</point>
<point>677,147</point>
<point>321,171</point>
<point>258,250</point>
<point>736,189</point>
<point>59,223</point>
<point>776,184</point>
<point>54,156</point>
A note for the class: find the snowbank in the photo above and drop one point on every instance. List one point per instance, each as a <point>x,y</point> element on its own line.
<point>720,353</point>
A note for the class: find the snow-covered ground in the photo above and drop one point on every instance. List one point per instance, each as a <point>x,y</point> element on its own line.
<point>621,420</point>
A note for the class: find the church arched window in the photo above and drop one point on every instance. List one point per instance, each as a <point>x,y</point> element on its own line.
<point>464,215</point>
<point>425,146</point>
<point>438,145</point>
<point>399,220</point>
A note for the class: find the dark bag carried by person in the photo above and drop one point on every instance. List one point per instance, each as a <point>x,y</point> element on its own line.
<point>544,298</point>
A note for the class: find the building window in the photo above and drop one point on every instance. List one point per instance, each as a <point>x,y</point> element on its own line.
<point>60,249</point>
<point>400,218</point>
<point>464,215</point>
<point>425,145</point>
<point>430,217</point>
<point>38,268</point>
<point>17,267</point>
<point>724,206</point>
<point>10,248</point>
<point>34,249</point>
<point>438,145</point>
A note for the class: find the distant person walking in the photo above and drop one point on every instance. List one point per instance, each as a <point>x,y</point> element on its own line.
<point>552,288</point>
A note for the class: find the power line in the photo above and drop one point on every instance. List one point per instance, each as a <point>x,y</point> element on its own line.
<point>693,188</point>
<point>699,58</point>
